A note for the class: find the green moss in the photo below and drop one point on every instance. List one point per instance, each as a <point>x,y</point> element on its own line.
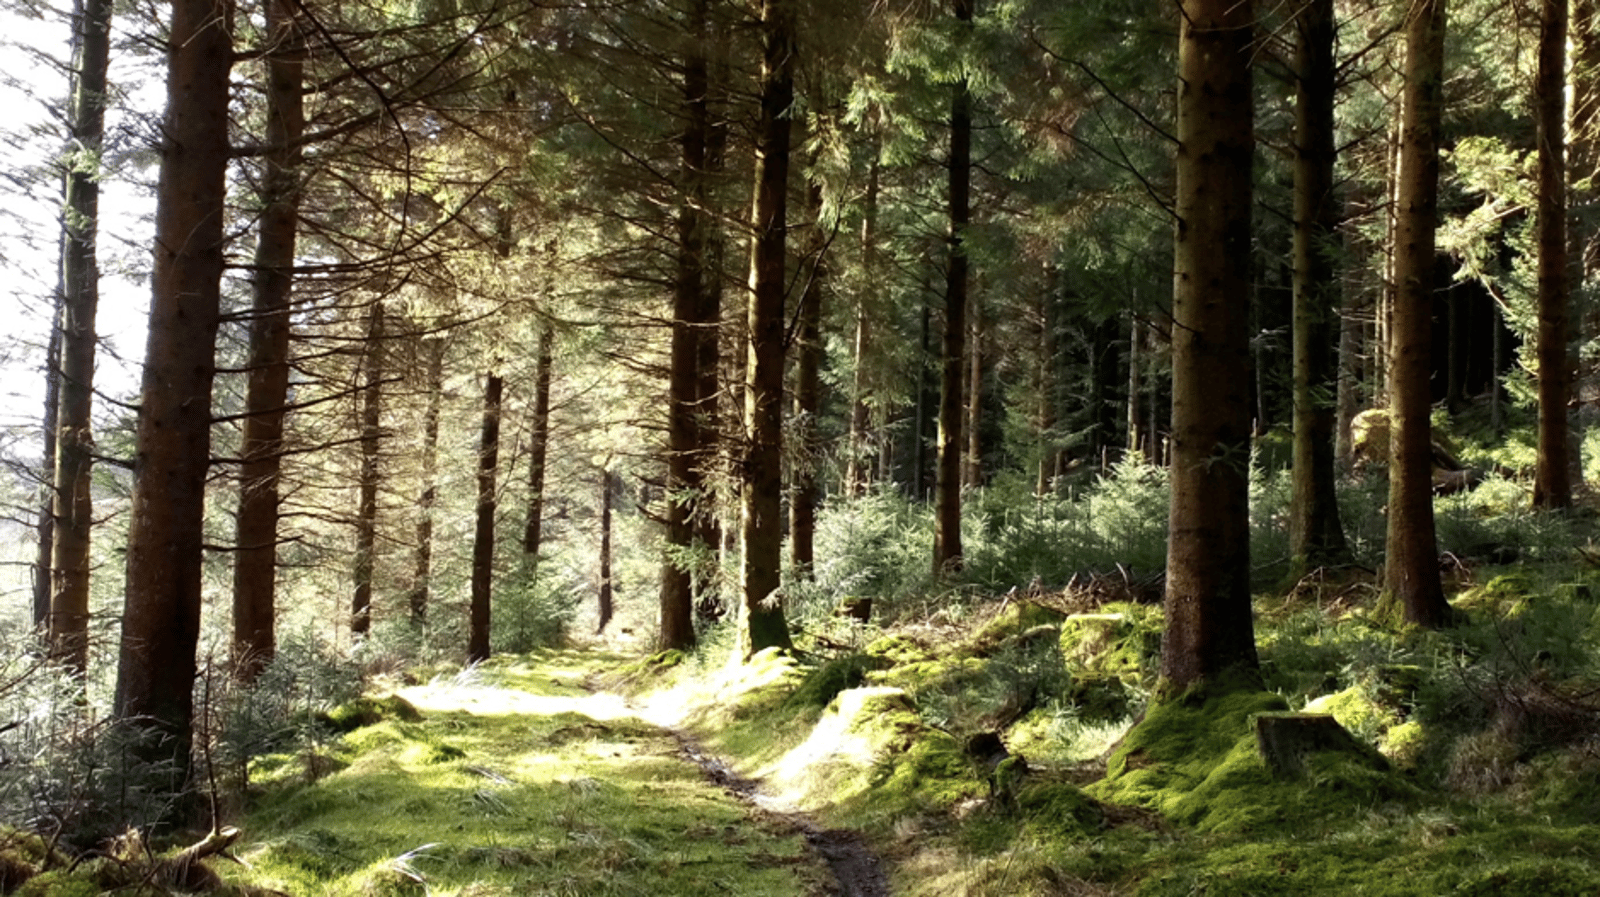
<point>1017,618</point>
<point>1357,711</point>
<point>59,883</point>
<point>1058,810</point>
<point>822,684</point>
<point>369,711</point>
<point>1194,759</point>
<point>1122,640</point>
<point>1534,878</point>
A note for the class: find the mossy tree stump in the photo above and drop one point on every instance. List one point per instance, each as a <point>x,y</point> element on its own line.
<point>1285,739</point>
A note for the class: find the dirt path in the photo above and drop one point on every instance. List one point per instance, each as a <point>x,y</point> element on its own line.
<point>519,780</point>
<point>856,867</point>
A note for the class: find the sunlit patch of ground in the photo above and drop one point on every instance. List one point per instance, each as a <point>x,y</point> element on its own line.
<point>518,782</point>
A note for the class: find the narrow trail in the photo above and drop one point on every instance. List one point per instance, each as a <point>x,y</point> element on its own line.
<point>856,867</point>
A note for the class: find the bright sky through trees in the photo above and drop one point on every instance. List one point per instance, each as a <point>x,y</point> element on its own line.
<point>33,85</point>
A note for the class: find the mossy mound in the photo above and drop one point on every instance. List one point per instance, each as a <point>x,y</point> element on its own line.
<point>369,711</point>
<point>1058,810</point>
<point>825,682</point>
<point>1194,759</point>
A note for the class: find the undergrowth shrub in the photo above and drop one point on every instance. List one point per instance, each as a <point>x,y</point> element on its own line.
<point>533,609</point>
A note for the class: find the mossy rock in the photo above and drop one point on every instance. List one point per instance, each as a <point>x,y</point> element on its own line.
<point>1101,699</point>
<point>369,711</point>
<point>1015,619</point>
<point>838,674</point>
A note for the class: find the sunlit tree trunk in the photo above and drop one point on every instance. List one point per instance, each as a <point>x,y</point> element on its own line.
<point>266,393</point>
<point>367,503</point>
<point>422,561</point>
<point>1208,624</point>
<point>80,281</point>
<point>166,532</point>
<point>1552,487</point>
<point>483,530</point>
<point>1316,537</point>
<point>761,489</point>
<point>947,479</point>
<point>1411,565</point>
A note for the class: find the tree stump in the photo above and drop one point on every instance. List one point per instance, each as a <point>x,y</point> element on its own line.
<point>1284,740</point>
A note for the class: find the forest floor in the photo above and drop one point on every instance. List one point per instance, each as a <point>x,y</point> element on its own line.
<point>519,779</point>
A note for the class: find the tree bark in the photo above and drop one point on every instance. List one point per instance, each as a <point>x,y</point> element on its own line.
<point>45,528</point>
<point>947,480</point>
<point>607,608</point>
<point>972,467</point>
<point>857,471</point>
<point>1552,485</point>
<point>1316,537</point>
<point>161,611</point>
<point>693,325</point>
<point>80,280</point>
<point>367,506</point>
<point>483,531</point>
<point>761,480</point>
<point>1208,618</point>
<point>422,562</point>
<point>1411,566</point>
<point>538,444</point>
<point>1045,385</point>
<point>266,393</point>
<point>806,495</point>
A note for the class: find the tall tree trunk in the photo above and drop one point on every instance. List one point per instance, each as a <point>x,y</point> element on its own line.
<point>691,330</point>
<point>607,608</point>
<point>1348,396</point>
<point>538,444</point>
<point>1136,389</point>
<point>1103,384</point>
<point>255,561</point>
<point>166,532</point>
<point>45,528</point>
<point>972,467</point>
<point>483,530</point>
<point>947,482</point>
<point>1316,537</point>
<point>367,506</point>
<point>806,495</point>
<point>422,561</point>
<point>1552,485</point>
<point>80,279</point>
<point>761,478</point>
<point>1411,565</point>
<point>1045,386</point>
<point>857,472</point>
<point>1208,625</point>
<point>922,410</point>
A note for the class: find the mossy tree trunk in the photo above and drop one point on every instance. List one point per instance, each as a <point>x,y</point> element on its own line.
<point>1208,618</point>
<point>483,531</point>
<point>267,391</point>
<point>1552,485</point>
<point>1411,565</point>
<point>761,480</point>
<point>1316,537</point>
<point>606,597</point>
